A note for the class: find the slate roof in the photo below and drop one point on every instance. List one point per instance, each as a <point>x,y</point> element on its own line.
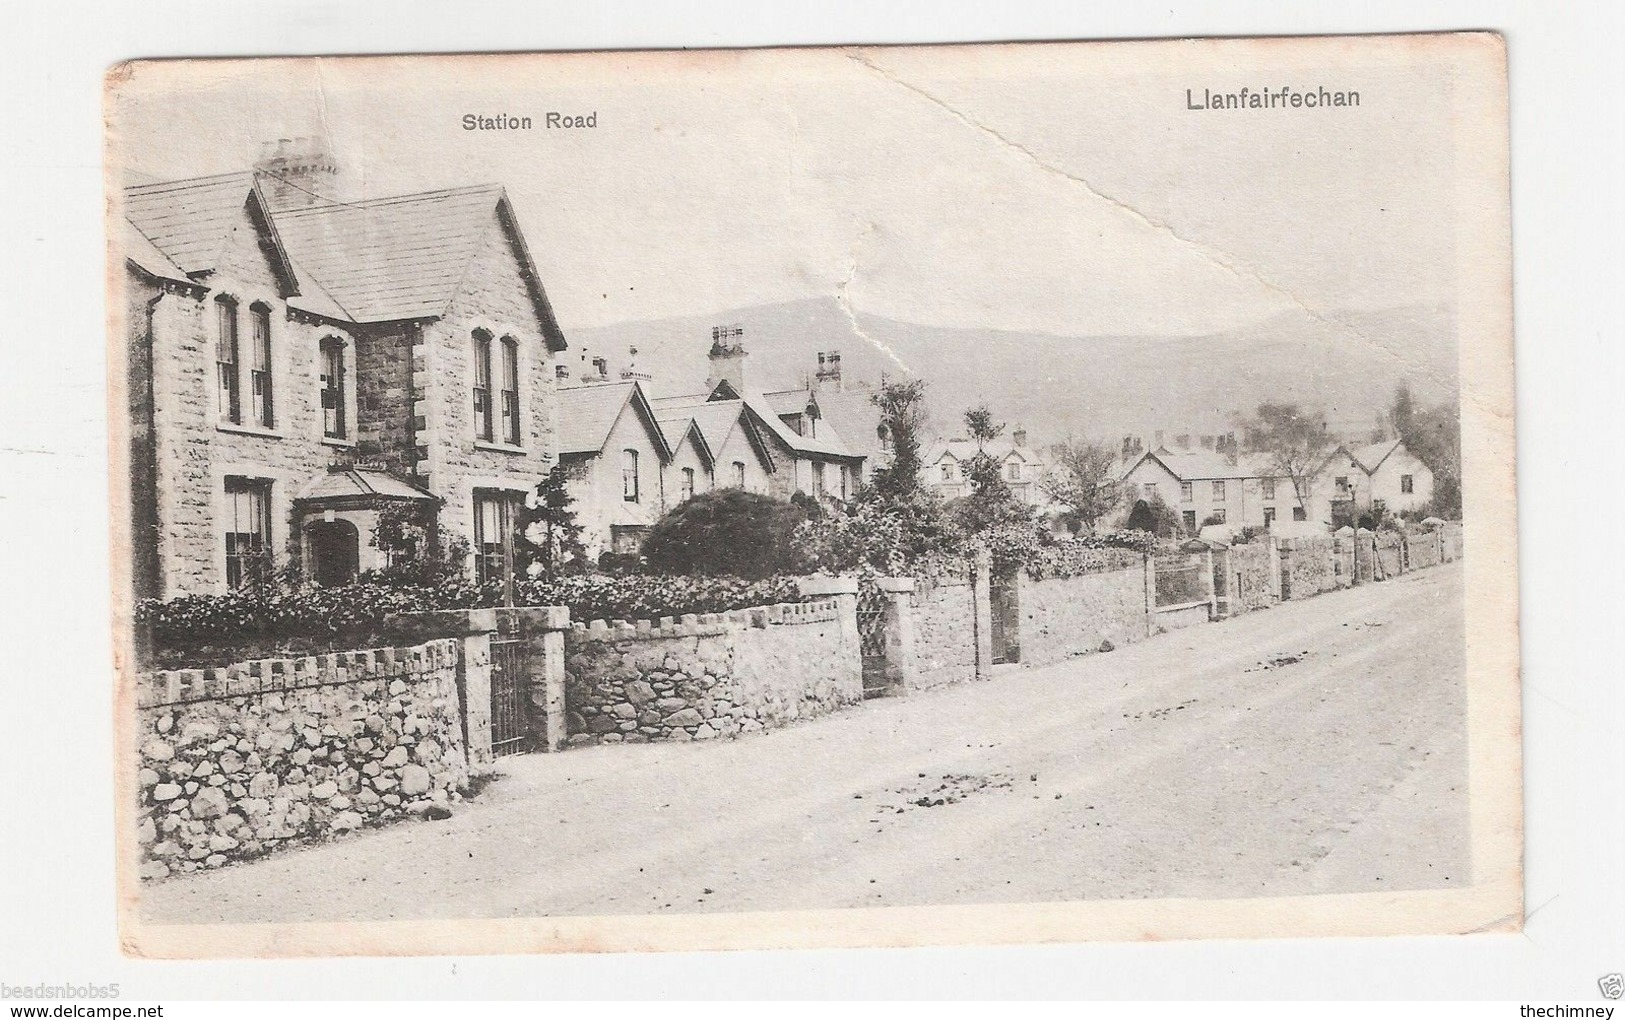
<point>715,420</point>
<point>140,251</point>
<point>354,483</point>
<point>964,449</point>
<point>380,260</point>
<point>1202,465</point>
<point>188,220</point>
<point>827,444</point>
<point>855,419</point>
<point>1372,455</point>
<point>676,426</point>
<point>588,413</point>
<point>391,258</point>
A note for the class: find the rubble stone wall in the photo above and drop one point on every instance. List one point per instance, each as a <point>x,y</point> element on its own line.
<point>239,761</point>
<point>945,632</point>
<point>712,675</point>
<point>1063,617</point>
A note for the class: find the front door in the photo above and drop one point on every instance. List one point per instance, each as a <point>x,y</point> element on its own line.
<point>335,552</point>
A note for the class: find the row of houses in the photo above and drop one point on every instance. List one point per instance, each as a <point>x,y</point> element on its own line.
<point>1240,490</point>
<point>299,366</point>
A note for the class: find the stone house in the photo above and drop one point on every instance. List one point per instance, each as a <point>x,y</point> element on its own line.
<point>617,456</point>
<point>944,466</point>
<point>1244,490</point>
<point>792,447</point>
<point>300,364</point>
<point>1201,484</point>
<point>1395,476</point>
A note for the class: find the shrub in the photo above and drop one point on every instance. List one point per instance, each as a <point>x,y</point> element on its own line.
<point>265,622</point>
<point>1090,554</point>
<point>725,531</point>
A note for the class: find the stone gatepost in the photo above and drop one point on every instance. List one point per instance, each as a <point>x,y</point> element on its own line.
<point>901,668</point>
<point>982,601</point>
<point>473,629</point>
<point>542,629</point>
<point>844,590</point>
<point>1274,547</point>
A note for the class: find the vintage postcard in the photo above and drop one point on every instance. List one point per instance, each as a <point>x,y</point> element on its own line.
<point>822,497</point>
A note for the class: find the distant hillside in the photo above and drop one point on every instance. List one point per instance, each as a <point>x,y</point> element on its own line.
<point>1101,386</point>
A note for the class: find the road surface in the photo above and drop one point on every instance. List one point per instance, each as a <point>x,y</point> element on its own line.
<point>1318,746</point>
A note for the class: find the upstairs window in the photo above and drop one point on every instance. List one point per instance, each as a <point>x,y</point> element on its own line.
<point>629,475</point>
<point>510,391</point>
<point>1406,484</point>
<point>225,360</point>
<point>1185,493</point>
<point>333,424</point>
<point>947,472</point>
<point>248,531</point>
<point>1218,490</point>
<point>482,386</point>
<point>1150,491</point>
<point>688,483</point>
<point>259,366</point>
<point>884,434</point>
<point>1012,471</point>
<point>1268,486</point>
<point>1342,485</point>
<point>739,474</point>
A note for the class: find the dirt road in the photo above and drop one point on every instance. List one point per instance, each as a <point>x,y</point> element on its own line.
<point>1319,746</point>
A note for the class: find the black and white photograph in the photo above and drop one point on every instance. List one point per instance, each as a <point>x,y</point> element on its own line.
<point>880,496</point>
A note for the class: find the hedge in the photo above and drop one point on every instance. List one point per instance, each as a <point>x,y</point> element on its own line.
<point>216,627</point>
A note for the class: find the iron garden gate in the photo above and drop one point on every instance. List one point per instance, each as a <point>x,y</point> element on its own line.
<point>872,638</point>
<point>510,701</point>
<point>1005,617</point>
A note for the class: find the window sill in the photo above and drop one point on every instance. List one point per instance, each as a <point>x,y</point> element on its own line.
<point>247,430</point>
<point>347,444</point>
<point>481,444</point>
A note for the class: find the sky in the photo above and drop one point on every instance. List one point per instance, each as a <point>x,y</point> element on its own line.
<point>1059,188</point>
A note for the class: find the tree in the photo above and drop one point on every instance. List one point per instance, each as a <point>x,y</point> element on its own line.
<point>1083,479</point>
<point>414,550</point>
<point>991,515</point>
<point>725,531</point>
<point>902,416</point>
<point>557,541</point>
<point>1433,434</point>
<point>1294,444</point>
<point>981,426</point>
<point>1156,517</point>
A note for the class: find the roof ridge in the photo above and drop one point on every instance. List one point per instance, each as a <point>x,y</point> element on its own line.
<point>153,186</point>
<point>326,204</point>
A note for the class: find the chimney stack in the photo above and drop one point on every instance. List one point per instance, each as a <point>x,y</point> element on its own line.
<point>296,173</point>
<point>631,369</point>
<point>727,358</point>
<point>1019,436</point>
<point>829,371</point>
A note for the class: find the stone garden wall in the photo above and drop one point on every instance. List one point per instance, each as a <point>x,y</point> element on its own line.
<point>1423,549</point>
<point>1308,564</point>
<point>239,761</point>
<point>1062,617</point>
<point>1451,539</point>
<point>945,634</point>
<point>1389,558</point>
<point>712,675</point>
<point>1255,576</point>
<point>1180,617</point>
